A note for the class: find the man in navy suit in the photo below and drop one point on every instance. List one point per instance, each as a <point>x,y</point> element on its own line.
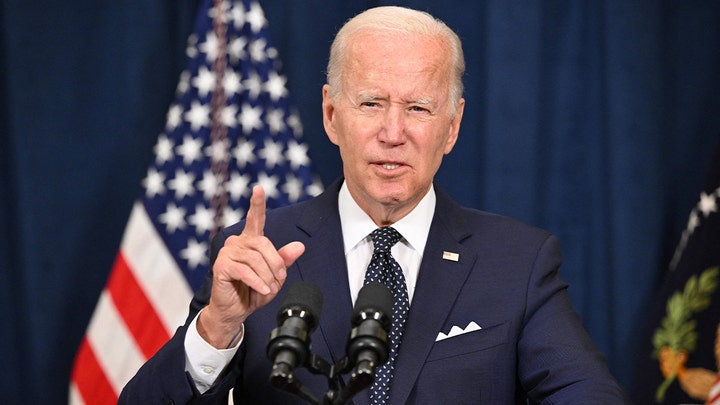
<point>490,320</point>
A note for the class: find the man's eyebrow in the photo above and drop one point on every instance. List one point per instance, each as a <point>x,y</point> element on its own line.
<point>364,96</point>
<point>423,100</point>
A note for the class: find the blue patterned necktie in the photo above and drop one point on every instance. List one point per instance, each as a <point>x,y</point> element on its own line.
<point>384,269</point>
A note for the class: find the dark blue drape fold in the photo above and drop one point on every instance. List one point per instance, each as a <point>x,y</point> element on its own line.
<point>594,120</point>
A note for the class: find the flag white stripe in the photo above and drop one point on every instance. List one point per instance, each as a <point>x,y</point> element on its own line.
<point>75,397</point>
<point>155,269</point>
<point>114,346</point>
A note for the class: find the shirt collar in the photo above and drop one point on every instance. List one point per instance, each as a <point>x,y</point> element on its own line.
<point>414,227</point>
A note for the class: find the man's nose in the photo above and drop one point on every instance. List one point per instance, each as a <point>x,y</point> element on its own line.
<point>393,130</point>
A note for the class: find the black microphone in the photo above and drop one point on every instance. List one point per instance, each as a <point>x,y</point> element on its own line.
<point>368,346</point>
<point>289,344</point>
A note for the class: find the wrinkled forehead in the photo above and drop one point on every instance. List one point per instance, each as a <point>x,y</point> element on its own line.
<point>396,71</point>
<point>393,51</point>
<point>379,39</point>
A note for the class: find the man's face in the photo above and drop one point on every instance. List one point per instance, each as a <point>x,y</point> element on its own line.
<point>392,120</point>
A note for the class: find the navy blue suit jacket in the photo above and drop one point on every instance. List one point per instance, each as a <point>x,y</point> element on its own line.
<point>531,345</point>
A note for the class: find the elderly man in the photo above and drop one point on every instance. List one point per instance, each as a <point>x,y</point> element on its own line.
<point>480,315</point>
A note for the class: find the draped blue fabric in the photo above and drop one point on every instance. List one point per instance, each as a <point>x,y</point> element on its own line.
<point>595,120</point>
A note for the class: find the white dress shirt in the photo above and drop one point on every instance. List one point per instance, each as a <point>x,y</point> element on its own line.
<point>356,229</point>
<point>205,363</point>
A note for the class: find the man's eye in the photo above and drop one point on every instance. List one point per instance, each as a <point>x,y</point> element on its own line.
<point>370,104</point>
<point>418,108</point>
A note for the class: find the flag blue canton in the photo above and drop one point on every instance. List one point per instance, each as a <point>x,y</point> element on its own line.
<point>262,143</point>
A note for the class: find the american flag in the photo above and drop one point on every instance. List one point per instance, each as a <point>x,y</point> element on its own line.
<point>231,126</point>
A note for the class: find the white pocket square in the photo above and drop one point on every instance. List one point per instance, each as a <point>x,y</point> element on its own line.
<point>456,331</point>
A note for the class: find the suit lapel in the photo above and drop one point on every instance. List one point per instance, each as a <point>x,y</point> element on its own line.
<point>324,265</point>
<point>439,283</point>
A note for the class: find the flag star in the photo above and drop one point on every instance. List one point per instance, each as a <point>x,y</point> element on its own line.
<point>209,185</point>
<point>707,204</point>
<point>195,254</point>
<point>244,152</point>
<point>183,83</point>
<point>297,154</point>
<point>210,47</point>
<point>231,83</point>
<point>255,17</point>
<point>190,149</point>
<point>269,184</point>
<point>253,84</point>
<point>228,116</point>
<point>218,151</point>
<point>182,184</point>
<point>275,86</point>
<point>204,81</point>
<point>191,49</point>
<point>224,11</point>
<point>315,188</point>
<point>293,187</point>
<point>238,186</point>
<point>236,49</point>
<point>174,117</point>
<point>272,153</point>
<point>198,115</point>
<point>237,15</point>
<point>275,120</point>
<point>203,219</point>
<point>163,150</point>
<point>231,216</point>
<point>295,124</point>
<point>173,218</point>
<point>257,50</point>
<point>250,118</point>
<point>154,183</point>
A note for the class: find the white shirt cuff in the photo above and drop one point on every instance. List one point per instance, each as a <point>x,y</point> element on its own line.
<point>204,362</point>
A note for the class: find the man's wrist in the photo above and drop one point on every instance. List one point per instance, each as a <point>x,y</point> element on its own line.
<point>218,334</point>
<point>204,362</point>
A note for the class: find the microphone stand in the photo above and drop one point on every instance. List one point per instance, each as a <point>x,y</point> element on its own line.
<point>361,378</point>
<point>367,347</point>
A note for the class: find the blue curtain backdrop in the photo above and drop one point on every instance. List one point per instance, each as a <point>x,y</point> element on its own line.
<point>593,119</point>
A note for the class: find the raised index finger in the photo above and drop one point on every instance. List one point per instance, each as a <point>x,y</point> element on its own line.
<point>255,220</point>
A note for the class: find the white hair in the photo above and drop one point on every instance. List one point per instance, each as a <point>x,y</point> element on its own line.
<point>404,21</point>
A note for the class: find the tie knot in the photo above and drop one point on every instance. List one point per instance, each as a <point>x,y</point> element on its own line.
<point>384,238</point>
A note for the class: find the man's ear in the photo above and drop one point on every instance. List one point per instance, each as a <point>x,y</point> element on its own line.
<point>455,127</point>
<point>328,109</point>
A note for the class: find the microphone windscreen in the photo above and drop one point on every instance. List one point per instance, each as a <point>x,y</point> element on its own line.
<point>306,296</point>
<point>374,297</point>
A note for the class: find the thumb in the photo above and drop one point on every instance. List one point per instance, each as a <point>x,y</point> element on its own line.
<point>291,252</point>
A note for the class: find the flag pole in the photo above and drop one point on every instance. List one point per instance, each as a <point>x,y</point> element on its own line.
<point>218,129</point>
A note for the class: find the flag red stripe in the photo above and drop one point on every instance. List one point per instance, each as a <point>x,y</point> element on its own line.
<point>715,392</point>
<point>135,308</point>
<point>90,379</point>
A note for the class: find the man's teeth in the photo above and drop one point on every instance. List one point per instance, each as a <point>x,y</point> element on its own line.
<point>390,166</point>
